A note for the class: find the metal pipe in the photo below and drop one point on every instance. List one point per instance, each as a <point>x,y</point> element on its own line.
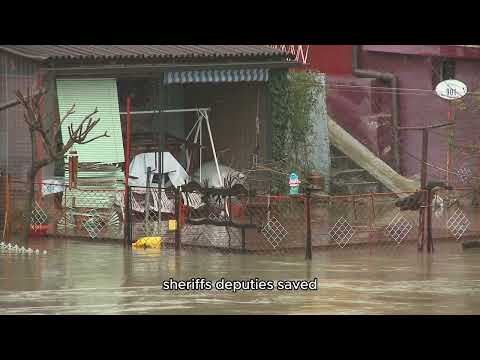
<point>205,116</point>
<point>425,127</point>
<point>164,111</point>
<point>392,79</point>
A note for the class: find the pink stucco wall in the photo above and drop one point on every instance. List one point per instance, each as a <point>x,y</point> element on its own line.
<point>365,111</point>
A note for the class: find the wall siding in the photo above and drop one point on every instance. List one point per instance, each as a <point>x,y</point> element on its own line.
<point>16,73</point>
<point>232,118</point>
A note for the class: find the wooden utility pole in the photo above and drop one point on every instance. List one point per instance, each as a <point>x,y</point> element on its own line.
<point>425,216</point>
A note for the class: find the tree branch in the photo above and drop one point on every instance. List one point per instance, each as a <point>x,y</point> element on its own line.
<point>95,138</point>
<point>58,123</point>
<point>34,119</point>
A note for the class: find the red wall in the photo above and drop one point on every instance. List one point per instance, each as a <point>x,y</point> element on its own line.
<point>331,59</point>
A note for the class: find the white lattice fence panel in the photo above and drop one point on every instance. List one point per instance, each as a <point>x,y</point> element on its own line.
<point>93,223</point>
<point>342,232</point>
<point>458,223</point>
<point>274,232</point>
<point>39,216</point>
<point>398,228</point>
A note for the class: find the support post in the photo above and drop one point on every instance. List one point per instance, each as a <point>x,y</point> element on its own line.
<point>200,125</point>
<point>147,202</point>
<point>243,240</point>
<point>127,164</point>
<point>450,152</point>
<point>425,217</point>
<point>308,220</point>
<point>371,223</point>
<point>160,183</point>
<point>429,222</point>
<point>178,239</point>
<point>213,147</point>
<point>128,219</point>
<point>423,185</point>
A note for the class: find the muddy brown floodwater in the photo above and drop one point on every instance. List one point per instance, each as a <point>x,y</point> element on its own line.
<point>78,277</point>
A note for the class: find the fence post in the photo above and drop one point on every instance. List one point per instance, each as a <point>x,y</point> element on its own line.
<point>421,222</point>
<point>243,240</point>
<point>371,223</point>
<point>63,204</point>
<point>126,205</point>
<point>128,219</point>
<point>308,221</point>
<point>429,222</point>
<point>147,203</point>
<point>178,238</point>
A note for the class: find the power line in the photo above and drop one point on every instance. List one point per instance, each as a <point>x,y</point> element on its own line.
<point>384,88</point>
<point>439,168</point>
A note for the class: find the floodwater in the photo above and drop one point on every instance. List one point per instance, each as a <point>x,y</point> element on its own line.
<point>79,277</point>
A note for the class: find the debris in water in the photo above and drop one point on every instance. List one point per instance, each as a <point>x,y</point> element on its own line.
<point>471,244</point>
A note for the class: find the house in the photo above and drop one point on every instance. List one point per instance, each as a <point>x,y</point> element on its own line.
<point>372,90</point>
<point>229,80</point>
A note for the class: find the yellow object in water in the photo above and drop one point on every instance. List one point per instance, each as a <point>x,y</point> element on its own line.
<point>172,225</point>
<point>151,242</point>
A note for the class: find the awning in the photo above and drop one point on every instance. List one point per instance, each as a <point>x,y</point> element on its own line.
<point>215,76</point>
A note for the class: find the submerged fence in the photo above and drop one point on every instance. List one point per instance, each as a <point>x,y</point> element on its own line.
<point>259,223</point>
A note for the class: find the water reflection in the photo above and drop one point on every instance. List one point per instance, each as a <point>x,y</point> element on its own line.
<point>79,277</point>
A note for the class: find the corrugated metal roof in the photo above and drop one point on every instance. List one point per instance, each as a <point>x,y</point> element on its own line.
<point>78,52</point>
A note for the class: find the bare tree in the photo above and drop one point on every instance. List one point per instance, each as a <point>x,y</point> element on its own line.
<point>47,134</point>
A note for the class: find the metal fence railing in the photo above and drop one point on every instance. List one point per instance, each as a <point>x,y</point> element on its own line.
<point>253,223</point>
<point>363,222</point>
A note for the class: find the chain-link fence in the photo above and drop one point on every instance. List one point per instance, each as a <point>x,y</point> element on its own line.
<point>455,217</point>
<point>368,222</point>
<point>152,213</point>
<point>253,223</point>
<point>60,211</point>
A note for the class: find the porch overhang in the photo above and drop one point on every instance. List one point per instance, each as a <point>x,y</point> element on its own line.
<point>149,70</point>
<point>216,76</point>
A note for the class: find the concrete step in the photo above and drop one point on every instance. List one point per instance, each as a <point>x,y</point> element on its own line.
<point>361,187</point>
<point>348,178</point>
<point>340,161</point>
<point>349,172</point>
<point>351,176</point>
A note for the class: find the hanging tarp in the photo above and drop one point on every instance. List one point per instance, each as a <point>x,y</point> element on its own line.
<point>88,94</point>
<point>215,76</point>
<point>138,169</point>
<point>209,174</point>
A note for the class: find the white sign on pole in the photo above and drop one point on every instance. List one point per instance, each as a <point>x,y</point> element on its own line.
<point>451,89</point>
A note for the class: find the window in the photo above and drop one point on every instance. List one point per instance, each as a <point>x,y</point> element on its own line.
<point>442,69</point>
<point>448,69</point>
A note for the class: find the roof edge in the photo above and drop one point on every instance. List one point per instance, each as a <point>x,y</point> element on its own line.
<point>21,54</point>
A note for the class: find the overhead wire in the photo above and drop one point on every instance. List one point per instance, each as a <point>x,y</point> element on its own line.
<point>440,168</point>
<point>382,88</point>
